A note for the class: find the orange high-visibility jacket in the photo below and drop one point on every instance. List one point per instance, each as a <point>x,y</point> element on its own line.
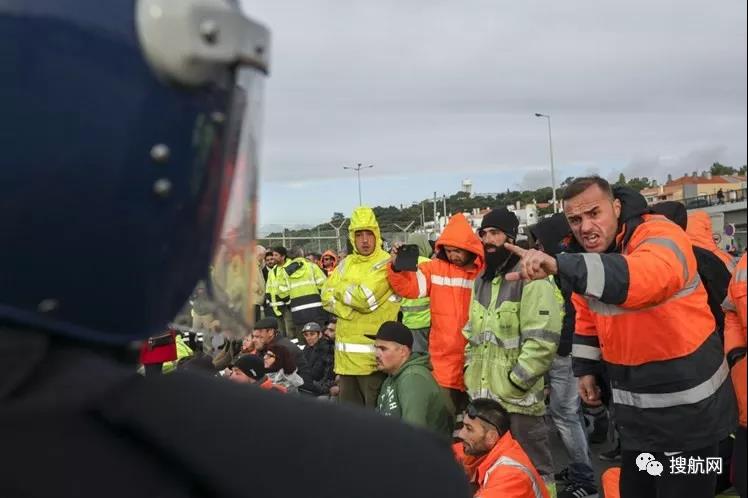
<point>699,230</point>
<point>643,311</point>
<point>735,334</point>
<point>611,481</point>
<point>506,471</point>
<point>449,287</point>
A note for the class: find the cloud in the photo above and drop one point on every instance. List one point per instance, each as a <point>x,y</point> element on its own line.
<point>421,88</point>
<point>658,167</point>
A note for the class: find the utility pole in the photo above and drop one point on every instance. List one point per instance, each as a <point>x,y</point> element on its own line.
<point>283,239</point>
<point>423,215</point>
<point>434,213</point>
<point>444,202</point>
<point>550,148</point>
<point>357,169</point>
<point>319,241</point>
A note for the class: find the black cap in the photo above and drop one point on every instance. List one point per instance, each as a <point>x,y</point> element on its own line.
<point>503,219</point>
<point>251,365</point>
<point>395,332</point>
<point>266,323</point>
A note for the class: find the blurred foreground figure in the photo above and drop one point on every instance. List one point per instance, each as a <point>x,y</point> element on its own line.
<point>129,161</point>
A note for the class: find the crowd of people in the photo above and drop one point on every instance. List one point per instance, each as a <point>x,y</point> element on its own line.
<point>611,311</point>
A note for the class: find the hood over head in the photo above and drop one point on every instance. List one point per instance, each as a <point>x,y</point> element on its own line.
<point>422,241</point>
<point>330,252</point>
<point>674,211</point>
<point>700,231</point>
<point>363,218</point>
<point>458,233</point>
<point>551,232</point>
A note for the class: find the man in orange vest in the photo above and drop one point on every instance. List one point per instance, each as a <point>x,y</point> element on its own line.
<point>448,281</point>
<point>495,463</point>
<point>735,307</point>
<point>642,310</point>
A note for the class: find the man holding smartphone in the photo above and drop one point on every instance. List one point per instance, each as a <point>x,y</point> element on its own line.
<point>447,280</point>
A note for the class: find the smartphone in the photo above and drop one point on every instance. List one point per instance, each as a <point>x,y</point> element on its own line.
<point>407,258</point>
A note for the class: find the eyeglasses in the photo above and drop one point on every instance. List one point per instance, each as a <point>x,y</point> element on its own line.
<point>473,412</point>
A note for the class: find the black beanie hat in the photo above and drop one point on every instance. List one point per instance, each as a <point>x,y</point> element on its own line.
<point>251,365</point>
<point>503,219</point>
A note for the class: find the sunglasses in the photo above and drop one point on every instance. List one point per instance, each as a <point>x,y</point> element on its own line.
<point>473,412</point>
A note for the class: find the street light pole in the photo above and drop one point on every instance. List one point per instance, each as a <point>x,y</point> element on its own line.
<point>357,169</point>
<point>550,148</point>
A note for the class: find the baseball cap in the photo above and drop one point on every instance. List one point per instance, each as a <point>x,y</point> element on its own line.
<point>311,327</point>
<point>395,332</point>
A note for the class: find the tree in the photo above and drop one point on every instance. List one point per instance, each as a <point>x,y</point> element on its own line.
<point>742,170</point>
<point>621,180</point>
<point>337,217</point>
<point>721,169</point>
<point>639,183</point>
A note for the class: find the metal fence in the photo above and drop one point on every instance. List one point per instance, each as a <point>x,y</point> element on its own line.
<point>325,239</point>
<point>707,200</point>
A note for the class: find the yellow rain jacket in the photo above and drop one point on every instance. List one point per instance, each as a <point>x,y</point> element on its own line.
<point>359,294</point>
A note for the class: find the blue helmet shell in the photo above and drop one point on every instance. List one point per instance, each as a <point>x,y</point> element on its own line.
<point>110,176</point>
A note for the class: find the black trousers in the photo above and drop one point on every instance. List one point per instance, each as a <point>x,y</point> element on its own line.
<point>153,369</point>
<point>637,483</point>
<point>739,462</point>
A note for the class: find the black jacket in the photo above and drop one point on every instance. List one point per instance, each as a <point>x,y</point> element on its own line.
<point>318,372</point>
<point>552,232</point>
<point>78,424</point>
<point>716,278</point>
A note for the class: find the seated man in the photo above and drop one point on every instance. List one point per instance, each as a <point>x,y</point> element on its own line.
<point>250,369</point>
<point>319,355</point>
<point>266,333</point>
<point>409,391</point>
<point>496,465</point>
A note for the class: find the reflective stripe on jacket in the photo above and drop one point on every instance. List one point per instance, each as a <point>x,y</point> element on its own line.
<point>449,287</point>
<point>735,307</point>
<point>300,283</point>
<point>274,289</point>
<point>513,334</point>
<point>417,312</point>
<point>358,293</point>
<point>644,313</point>
<point>506,471</point>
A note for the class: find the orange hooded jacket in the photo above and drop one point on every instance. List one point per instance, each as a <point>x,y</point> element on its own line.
<point>736,337</point>
<point>449,287</point>
<point>334,264</point>
<point>506,471</point>
<point>700,232</point>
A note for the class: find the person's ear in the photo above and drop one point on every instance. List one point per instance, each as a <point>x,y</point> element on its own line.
<point>617,207</point>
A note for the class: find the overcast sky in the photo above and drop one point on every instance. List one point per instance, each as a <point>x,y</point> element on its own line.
<point>431,92</point>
